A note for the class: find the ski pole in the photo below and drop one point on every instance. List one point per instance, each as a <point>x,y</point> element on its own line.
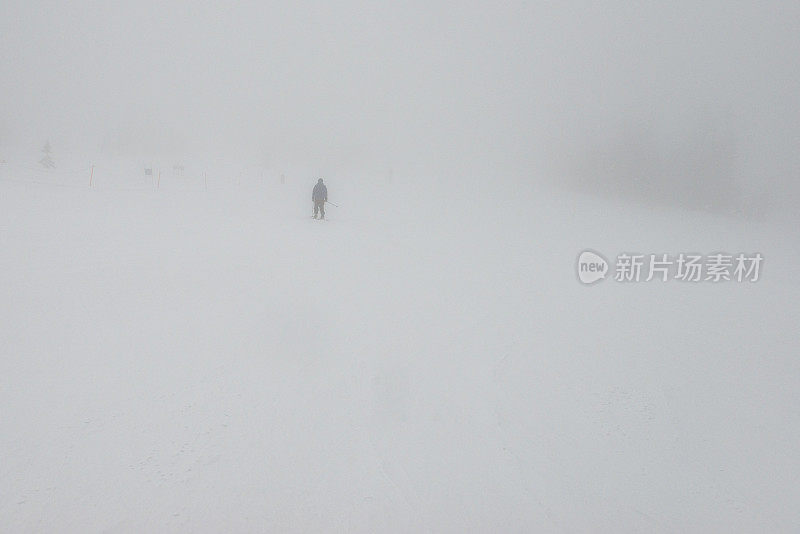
<point>331,203</point>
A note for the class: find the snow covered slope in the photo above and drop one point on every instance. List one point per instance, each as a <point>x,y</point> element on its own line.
<point>190,360</point>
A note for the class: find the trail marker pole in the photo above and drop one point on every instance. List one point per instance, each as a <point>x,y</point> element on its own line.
<point>91,176</point>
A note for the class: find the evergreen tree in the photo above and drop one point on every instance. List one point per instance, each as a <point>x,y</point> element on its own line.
<point>47,160</point>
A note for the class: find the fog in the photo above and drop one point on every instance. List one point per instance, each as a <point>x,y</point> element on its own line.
<point>659,102</point>
<point>352,83</point>
<point>465,343</point>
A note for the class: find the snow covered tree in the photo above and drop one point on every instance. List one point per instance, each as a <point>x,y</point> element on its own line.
<point>47,160</point>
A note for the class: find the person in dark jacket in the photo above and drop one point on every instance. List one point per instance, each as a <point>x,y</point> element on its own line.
<point>320,197</point>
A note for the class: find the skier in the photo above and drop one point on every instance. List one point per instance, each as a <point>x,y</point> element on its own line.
<point>320,197</point>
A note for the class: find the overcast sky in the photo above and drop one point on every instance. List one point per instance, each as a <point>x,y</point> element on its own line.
<point>515,85</point>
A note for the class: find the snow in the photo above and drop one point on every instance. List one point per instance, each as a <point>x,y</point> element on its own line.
<point>182,359</point>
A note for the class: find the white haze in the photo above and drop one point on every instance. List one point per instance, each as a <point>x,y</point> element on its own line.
<point>581,93</point>
<point>186,350</point>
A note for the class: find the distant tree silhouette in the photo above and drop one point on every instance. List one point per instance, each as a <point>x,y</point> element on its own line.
<point>47,160</point>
